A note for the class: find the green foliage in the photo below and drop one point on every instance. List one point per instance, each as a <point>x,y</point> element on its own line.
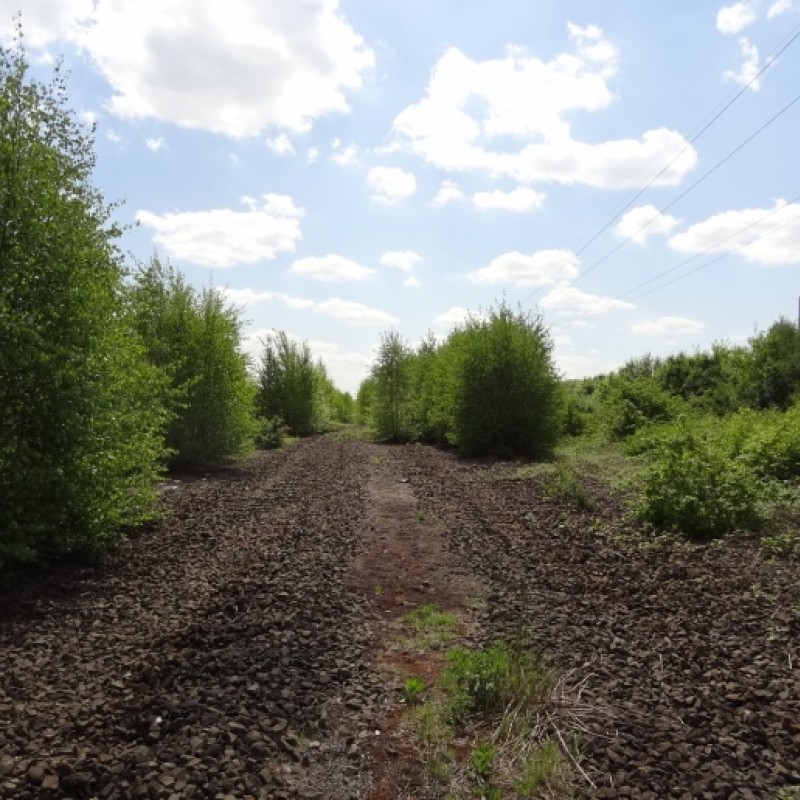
<point>391,373</point>
<point>486,681</point>
<point>287,383</point>
<point>365,401</point>
<point>775,367</point>
<point>413,689</point>
<point>541,767</point>
<point>696,486</point>
<point>271,433</point>
<point>628,404</point>
<point>296,390</point>
<point>507,394</point>
<point>194,340</point>
<point>434,628</point>
<point>481,759</point>
<point>81,425</point>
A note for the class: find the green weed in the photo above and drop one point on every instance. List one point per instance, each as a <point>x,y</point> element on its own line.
<point>412,690</point>
<point>434,628</point>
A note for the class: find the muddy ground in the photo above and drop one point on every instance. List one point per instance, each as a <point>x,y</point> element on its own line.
<point>250,644</point>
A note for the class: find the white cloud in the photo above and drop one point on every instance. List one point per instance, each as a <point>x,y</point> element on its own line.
<point>448,193</point>
<point>734,19</point>
<point>779,7</point>
<point>536,269</point>
<point>312,155</point>
<point>155,143</point>
<point>520,199</point>
<point>353,313</point>
<point>404,260</point>
<point>330,268</point>
<point>234,68</point>
<point>469,104</point>
<point>411,281</point>
<point>667,326</point>
<point>390,184</point>
<point>249,297</point>
<point>88,118</point>
<point>281,145</point>
<point>223,237</point>
<point>765,236</point>
<point>567,299</point>
<point>644,221</point>
<point>454,315</point>
<point>574,367</point>
<point>344,155</point>
<point>44,21</point>
<point>749,67</point>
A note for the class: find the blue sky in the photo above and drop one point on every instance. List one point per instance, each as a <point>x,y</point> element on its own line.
<point>343,168</point>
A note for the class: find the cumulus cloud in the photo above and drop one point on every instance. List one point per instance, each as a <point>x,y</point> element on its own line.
<point>536,269</point>
<point>331,268</point>
<point>667,326</point>
<point>640,223</point>
<point>448,193</point>
<point>391,184</point>
<point>154,143</point>
<point>223,237</point>
<point>353,313</point>
<point>525,102</point>
<point>454,315</point>
<point>734,19</point>
<point>567,299</point>
<point>281,145</point>
<point>572,366</point>
<point>404,260</point>
<point>44,21</point>
<point>520,199</point>
<point>746,74</point>
<point>250,297</point>
<point>411,281</point>
<point>779,7</point>
<point>764,236</point>
<point>344,155</point>
<point>232,68</point>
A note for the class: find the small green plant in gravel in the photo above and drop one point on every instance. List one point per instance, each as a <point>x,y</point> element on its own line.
<point>502,699</point>
<point>565,486</point>
<point>434,628</point>
<point>542,766</point>
<point>413,689</point>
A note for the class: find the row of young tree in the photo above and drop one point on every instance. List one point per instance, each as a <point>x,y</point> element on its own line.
<point>107,374</point>
<point>490,388</point>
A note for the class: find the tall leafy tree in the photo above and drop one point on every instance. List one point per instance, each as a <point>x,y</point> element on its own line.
<point>391,410</point>
<point>287,383</point>
<point>507,393</point>
<point>194,340</point>
<point>81,425</point>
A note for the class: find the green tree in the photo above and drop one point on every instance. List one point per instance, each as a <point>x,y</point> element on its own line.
<point>194,340</point>
<point>507,393</point>
<point>287,383</point>
<point>391,412</point>
<point>775,366</point>
<point>81,424</point>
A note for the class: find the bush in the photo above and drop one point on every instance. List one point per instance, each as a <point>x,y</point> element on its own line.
<point>507,399</point>
<point>630,404</point>
<point>81,428</point>
<point>696,488</point>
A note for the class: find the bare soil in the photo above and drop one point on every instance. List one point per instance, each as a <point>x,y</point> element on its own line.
<point>252,644</point>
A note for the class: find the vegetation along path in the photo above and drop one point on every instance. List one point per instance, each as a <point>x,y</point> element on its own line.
<point>279,633</point>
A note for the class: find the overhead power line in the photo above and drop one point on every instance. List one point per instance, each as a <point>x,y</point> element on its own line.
<point>704,126</point>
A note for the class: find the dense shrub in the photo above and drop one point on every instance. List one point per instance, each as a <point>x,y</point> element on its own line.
<point>629,404</point>
<point>81,424</point>
<point>693,486</point>
<point>194,340</point>
<point>507,394</point>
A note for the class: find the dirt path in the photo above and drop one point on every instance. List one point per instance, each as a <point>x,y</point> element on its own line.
<point>251,644</point>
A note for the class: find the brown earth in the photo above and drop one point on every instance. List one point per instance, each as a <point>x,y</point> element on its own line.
<point>252,643</point>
